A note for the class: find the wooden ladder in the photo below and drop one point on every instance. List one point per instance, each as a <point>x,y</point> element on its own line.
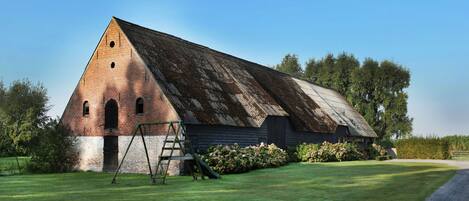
<point>172,143</point>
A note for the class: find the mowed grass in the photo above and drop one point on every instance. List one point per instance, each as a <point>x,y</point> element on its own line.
<point>360,180</point>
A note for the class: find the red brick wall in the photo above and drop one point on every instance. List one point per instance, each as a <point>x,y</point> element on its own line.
<point>127,81</point>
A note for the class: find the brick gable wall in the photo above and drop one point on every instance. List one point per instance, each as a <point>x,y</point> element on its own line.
<point>128,80</point>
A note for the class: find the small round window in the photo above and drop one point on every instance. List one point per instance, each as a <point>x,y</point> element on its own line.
<point>112,44</point>
<point>113,64</point>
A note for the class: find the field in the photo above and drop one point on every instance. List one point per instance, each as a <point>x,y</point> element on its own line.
<point>360,180</point>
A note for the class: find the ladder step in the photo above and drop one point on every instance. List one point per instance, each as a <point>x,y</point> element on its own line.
<point>169,148</point>
<point>180,158</point>
<point>175,141</point>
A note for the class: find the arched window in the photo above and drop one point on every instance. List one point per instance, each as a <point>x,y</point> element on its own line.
<point>86,108</point>
<point>111,114</point>
<point>139,106</point>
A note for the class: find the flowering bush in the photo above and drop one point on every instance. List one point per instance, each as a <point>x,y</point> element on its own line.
<point>327,152</point>
<point>235,159</point>
<point>307,152</point>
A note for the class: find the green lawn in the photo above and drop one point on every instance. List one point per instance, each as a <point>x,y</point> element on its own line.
<point>360,180</point>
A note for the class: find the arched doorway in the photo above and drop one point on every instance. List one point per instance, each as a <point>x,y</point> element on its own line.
<point>111,145</point>
<point>111,114</point>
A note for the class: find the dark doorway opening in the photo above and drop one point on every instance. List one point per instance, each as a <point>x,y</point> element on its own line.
<point>111,153</point>
<point>276,129</point>
<point>111,114</point>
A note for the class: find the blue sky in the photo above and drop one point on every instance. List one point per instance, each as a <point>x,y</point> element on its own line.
<point>51,41</point>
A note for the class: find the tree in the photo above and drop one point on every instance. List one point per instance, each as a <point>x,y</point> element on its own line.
<point>363,92</point>
<point>332,72</point>
<point>23,113</point>
<point>377,92</point>
<point>375,89</point>
<point>395,79</point>
<point>344,65</point>
<point>311,70</point>
<point>325,71</point>
<point>290,65</point>
<point>6,148</point>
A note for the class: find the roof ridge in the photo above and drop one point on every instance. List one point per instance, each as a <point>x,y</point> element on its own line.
<point>206,48</point>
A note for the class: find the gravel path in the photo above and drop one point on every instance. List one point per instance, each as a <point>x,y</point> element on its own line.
<point>457,188</point>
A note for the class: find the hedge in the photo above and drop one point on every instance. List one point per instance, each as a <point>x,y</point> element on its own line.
<point>423,148</point>
<point>458,143</point>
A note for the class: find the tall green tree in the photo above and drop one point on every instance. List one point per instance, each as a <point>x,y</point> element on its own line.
<point>290,65</point>
<point>333,72</point>
<point>23,113</point>
<point>6,148</point>
<point>325,71</point>
<point>378,92</point>
<point>344,65</point>
<point>395,79</point>
<point>311,70</point>
<point>363,93</point>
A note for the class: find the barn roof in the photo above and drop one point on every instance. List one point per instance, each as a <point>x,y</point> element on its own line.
<point>210,87</point>
<point>338,108</point>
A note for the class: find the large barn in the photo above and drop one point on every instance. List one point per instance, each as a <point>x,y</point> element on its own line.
<point>140,75</point>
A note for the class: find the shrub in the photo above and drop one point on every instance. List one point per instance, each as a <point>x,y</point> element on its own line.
<point>292,154</point>
<point>423,148</point>
<point>54,151</point>
<point>327,152</point>
<point>376,150</point>
<point>307,152</point>
<point>350,152</point>
<point>226,159</point>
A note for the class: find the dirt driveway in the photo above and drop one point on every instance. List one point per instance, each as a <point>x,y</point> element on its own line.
<point>456,189</point>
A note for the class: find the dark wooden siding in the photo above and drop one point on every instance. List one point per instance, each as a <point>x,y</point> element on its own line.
<point>203,136</point>
<point>294,137</point>
<point>276,131</point>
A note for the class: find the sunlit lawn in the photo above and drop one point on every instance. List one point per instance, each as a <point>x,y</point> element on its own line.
<point>361,180</point>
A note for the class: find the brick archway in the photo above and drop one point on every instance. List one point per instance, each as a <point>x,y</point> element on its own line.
<point>111,114</point>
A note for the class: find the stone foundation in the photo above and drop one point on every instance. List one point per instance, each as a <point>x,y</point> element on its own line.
<point>91,154</point>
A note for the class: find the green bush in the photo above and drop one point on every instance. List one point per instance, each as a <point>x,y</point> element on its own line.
<point>308,152</point>
<point>327,152</point>
<point>54,151</point>
<point>292,155</point>
<point>423,148</point>
<point>226,159</point>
